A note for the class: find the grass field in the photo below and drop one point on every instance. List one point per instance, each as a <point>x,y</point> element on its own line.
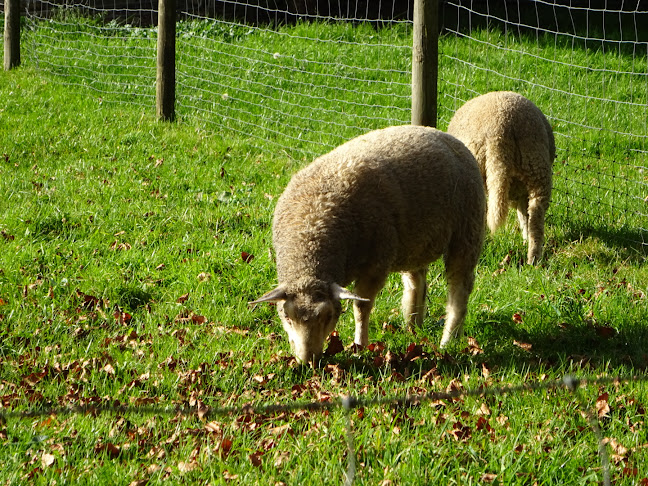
<point>130,248</point>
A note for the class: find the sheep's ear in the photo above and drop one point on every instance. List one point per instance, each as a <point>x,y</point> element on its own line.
<point>274,296</point>
<point>341,293</point>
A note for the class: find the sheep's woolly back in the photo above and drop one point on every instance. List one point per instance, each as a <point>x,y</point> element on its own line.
<point>514,146</point>
<point>392,199</point>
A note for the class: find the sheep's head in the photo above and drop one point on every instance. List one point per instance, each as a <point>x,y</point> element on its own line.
<point>308,315</point>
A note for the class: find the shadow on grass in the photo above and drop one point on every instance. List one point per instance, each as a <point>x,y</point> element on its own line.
<point>581,348</point>
<point>631,244</point>
<point>564,345</point>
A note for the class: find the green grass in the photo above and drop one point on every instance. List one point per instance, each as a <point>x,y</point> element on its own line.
<point>123,280</point>
<point>309,87</point>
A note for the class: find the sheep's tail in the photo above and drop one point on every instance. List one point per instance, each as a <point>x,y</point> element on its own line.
<point>497,187</point>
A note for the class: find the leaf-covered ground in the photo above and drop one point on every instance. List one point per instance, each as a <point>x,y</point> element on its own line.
<point>129,250</point>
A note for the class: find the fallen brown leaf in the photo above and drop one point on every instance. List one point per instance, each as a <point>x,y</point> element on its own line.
<point>616,446</point>
<point>473,346</point>
<point>485,371</point>
<point>377,347</point>
<point>202,409</point>
<point>185,467</point>
<point>34,378</point>
<point>454,386</point>
<point>414,351</point>
<point>122,317</point>
<point>227,476</point>
<point>280,430</point>
<point>47,459</point>
<point>431,376</point>
<point>214,427</point>
<point>484,410</point>
<point>482,424</point>
<point>461,432</point>
<point>605,332</point>
<point>503,420</point>
<point>335,345</point>
<point>336,371</point>
<point>602,405</point>
<point>224,447</point>
<point>524,346</point>
<point>255,458</point>
<point>139,482</point>
<point>196,319</point>
<point>281,459</point>
<point>108,369</point>
<point>111,450</point>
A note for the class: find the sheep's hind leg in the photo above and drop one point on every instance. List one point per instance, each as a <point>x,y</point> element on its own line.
<point>414,293</point>
<point>367,288</point>
<point>537,209</point>
<point>522,207</point>
<point>461,278</point>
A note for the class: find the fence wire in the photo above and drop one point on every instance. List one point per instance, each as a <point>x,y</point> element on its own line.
<point>305,91</point>
<point>587,68</point>
<point>348,403</point>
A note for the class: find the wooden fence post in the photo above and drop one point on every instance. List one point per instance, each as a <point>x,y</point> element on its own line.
<point>425,62</point>
<point>11,34</point>
<point>166,44</point>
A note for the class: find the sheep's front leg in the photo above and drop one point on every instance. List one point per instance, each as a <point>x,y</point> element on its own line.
<point>367,288</point>
<point>414,293</point>
<point>361,311</point>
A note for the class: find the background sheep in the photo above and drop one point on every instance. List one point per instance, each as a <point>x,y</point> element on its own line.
<point>390,200</point>
<point>515,149</point>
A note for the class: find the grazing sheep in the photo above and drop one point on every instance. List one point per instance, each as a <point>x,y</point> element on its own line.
<point>392,200</point>
<point>515,149</point>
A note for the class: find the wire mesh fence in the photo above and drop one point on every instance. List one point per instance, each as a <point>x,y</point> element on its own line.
<point>301,92</point>
<point>586,67</point>
<point>571,384</point>
<point>303,77</point>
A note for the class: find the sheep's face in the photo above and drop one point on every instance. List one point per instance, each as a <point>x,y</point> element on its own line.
<point>308,320</point>
<point>309,315</point>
